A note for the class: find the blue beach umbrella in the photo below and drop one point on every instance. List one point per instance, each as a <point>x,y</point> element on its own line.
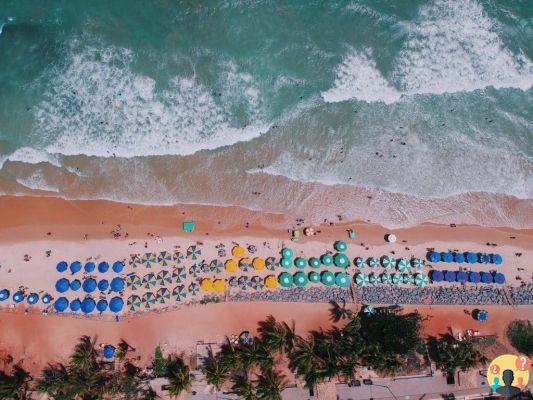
<point>462,277</point>
<point>61,266</point>
<point>62,285</point>
<point>33,298</point>
<point>437,276</point>
<point>89,285</point>
<point>109,351</point>
<point>18,297</point>
<point>484,258</point>
<point>88,305</point>
<point>471,258</point>
<point>46,298</point>
<point>486,277</point>
<point>116,304</point>
<point>101,306</point>
<point>117,284</point>
<point>459,258</point>
<point>499,278</point>
<point>75,305</point>
<point>61,304</point>
<point>474,277</point>
<point>450,276</point>
<point>89,267</point>
<point>75,285</point>
<point>4,294</point>
<point>496,259</point>
<point>103,285</point>
<point>433,257</point>
<point>447,257</point>
<point>482,316</point>
<point>75,267</point>
<point>118,266</point>
<point>103,267</point>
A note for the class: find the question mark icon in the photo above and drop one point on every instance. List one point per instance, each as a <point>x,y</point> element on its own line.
<point>523,363</point>
<point>495,369</point>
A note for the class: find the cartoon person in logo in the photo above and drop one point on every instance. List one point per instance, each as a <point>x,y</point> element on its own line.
<point>508,389</point>
<point>508,374</point>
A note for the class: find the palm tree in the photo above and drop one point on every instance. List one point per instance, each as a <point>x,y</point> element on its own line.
<point>55,382</point>
<point>243,388</point>
<point>15,386</point>
<point>85,356</point>
<point>216,372</point>
<point>276,336</point>
<point>304,362</point>
<point>338,312</point>
<point>452,354</point>
<point>270,384</point>
<point>179,379</point>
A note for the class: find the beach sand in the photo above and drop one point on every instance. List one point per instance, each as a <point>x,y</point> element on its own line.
<point>83,230</point>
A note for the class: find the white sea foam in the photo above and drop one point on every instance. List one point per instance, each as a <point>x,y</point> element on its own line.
<point>37,181</point>
<point>30,155</point>
<point>97,106</point>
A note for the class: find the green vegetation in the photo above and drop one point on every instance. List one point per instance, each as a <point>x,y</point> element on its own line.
<point>451,354</point>
<point>520,334</point>
<point>14,385</point>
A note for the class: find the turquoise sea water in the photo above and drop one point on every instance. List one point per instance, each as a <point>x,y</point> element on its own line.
<point>318,106</point>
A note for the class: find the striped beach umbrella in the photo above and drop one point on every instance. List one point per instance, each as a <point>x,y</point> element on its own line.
<point>271,263</point>
<point>300,262</point>
<point>257,283</point>
<point>474,277</point>
<point>179,293</point>
<point>238,251</point>
<point>101,306</point>
<point>194,270</point>
<point>258,263</point>
<point>471,257</point>
<point>360,262</point>
<point>433,257</point>
<point>374,278</point>
<point>287,252</point>
<point>206,285</point>
<point>437,276</point>
<point>385,278</point>
<point>408,279</point>
<point>133,281</point>
<point>179,275</point>
<point>117,267</point>
<point>4,294</point>
<point>459,258</point>
<point>486,277</point>
<point>342,280</point>
<point>89,267</point>
<point>403,265</point>
<point>165,258</point>
<point>418,263</point>
<point>135,260</point>
<point>327,278</point>
<point>484,258</point>
<point>499,278</point>
<point>149,280</point>
<point>285,279</point>
<point>32,298</point>
<point>61,266</point>
<point>373,262</point>
<point>216,266</point>
<point>361,279</point>
<point>193,252</point>
<point>271,282</point>
<point>447,257</point>
<point>233,281</point>
<point>244,282</point>
<point>326,259</point>
<point>75,267</point>
<point>396,279</point>
<point>314,262</point>
<point>148,300</point>
<point>496,259</point>
<point>341,260</point>
<point>421,280</point>
<point>231,265</point>
<point>369,310</point>
<point>193,289</point>
<point>450,276</point>
<point>178,257</point>
<point>204,267</point>
<point>340,246</point>
<point>163,277</point>
<point>462,277</point>
<point>286,263</point>
<point>388,262</point>
<point>142,259</point>
<point>300,279</point>
<point>314,277</point>
<point>134,302</point>
<point>245,264</point>
<point>151,260</point>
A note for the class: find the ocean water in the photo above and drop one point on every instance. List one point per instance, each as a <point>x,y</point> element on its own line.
<point>395,112</point>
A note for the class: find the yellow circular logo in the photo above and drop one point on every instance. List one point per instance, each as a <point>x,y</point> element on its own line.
<point>509,374</point>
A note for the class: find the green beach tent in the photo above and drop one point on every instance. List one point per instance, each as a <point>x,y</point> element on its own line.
<point>374,278</point>
<point>397,279</point>
<point>360,262</point>
<point>404,265</point>
<point>188,226</point>
<point>300,262</point>
<point>373,262</point>
<point>314,277</point>
<point>341,260</point>
<point>300,279</point>
<point>362,279</point>
<point>385,278</point>
<point>286,263</point>
<point>287,252</point>
<point>328,278</point>
<point>326,259</point>
<point>388,262</point>
<point>285,279</point>
<point>340,246</point>
<point>314,262</point>
<point>342,280</point>
<point>421,280</point>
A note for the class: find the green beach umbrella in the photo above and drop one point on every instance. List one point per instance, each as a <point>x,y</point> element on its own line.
<point>326,259</point>
<point>285,279</point>
<point>314,262</point>
<point>342,280</point>
<point>340,246</point>
<point>300,262</point>
<point>418,263</point>
<point>403,265</point>
<point>388,262</point>
<point>373,262</point>
<point>300,279</point>
<point>397,279</point>
<point>360,262</point>
<point>408,279</point>
<point>385,278</point>
<point>314,277</point>
<point>369,310</point>
<point>362,279</point>
<point>421,280</point>
<point>374,278</point>
<point>287,252</point>
<point>327,278</point>
<point>341,260</point>
<point>286,263</point>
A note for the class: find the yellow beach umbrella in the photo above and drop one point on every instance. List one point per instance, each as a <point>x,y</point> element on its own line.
<point>207,284</point>
<point>231,265</point>
<point>237,252</point>
<point>258,263</point>
<point>271,282</point>
<point>219,285</point>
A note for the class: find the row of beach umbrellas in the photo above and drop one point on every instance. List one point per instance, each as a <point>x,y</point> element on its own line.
<point>418,279</point>
<point>338,259</point>
<point>89,285</point>
<point>464,277</point>
<point>151,279</point>
<point>301,279</point>
<point>88,305</point>
<point>89,267</point>
<point>467,257</point>
<point>403,264</point>
<point>149,300</point>
<point>18,296</point>
<point>166,258</point>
